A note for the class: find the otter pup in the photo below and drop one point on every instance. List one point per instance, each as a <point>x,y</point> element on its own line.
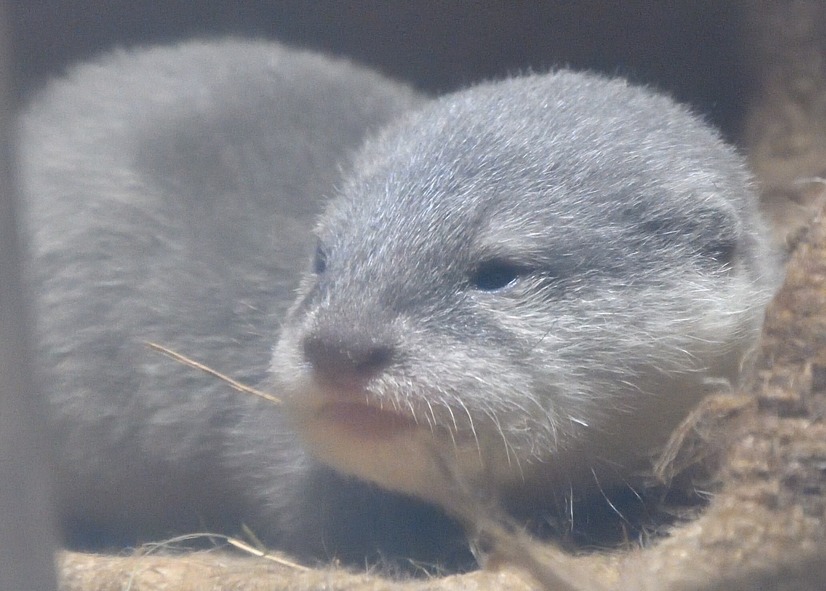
<point>532,281</point>
<point>526,284</point>
<point>170,193</point>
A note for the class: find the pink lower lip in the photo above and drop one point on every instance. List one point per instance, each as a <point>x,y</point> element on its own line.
<point>364,421</point>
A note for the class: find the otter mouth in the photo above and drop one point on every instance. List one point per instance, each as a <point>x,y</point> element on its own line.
<point>364,421</point>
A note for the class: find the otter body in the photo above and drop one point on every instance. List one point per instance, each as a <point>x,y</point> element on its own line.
<point>169,195</point>
<point>525,285</point>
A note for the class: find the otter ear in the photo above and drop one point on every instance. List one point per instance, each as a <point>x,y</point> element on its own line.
<point>718,232</point>
<point>721,250</point>
<point>713,234</point>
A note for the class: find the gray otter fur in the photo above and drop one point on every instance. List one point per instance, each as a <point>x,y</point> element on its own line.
<point>170,194</point>
<point>533,280</point>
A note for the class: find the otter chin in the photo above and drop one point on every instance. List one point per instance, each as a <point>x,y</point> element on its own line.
<point>368,444</point>
<point>360,438</point>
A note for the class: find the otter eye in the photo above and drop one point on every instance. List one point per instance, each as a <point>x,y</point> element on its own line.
<point>319,260</point>
<point>495,274</point>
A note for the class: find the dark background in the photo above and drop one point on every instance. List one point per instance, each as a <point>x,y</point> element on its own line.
<point>690,48</point>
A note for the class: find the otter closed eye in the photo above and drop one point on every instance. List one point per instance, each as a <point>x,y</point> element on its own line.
<point>319,260</point>
<point>495,274</point>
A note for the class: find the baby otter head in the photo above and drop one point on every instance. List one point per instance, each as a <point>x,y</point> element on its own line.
<point>533,280</point>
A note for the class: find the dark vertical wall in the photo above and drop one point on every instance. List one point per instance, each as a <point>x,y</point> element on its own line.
<point>26,541</point>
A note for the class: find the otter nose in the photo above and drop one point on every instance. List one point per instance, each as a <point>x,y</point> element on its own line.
<point>346,358</point>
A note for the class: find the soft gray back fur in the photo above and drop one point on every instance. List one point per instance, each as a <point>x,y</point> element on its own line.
<point>170,192</point>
